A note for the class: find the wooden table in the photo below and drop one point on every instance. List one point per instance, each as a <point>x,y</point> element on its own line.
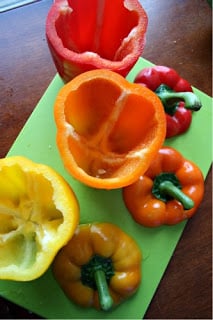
<point>179,36</point>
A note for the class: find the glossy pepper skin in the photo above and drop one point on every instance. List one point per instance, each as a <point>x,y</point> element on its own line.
<point>99,267</point>
<point>176,95</point>
<point>170,191</point>
<point>96,34</point>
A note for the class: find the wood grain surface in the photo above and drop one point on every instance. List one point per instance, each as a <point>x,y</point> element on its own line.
<point>179,36</point>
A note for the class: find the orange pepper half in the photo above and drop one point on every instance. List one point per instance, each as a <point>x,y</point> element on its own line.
<point>108,129</point>
<point>84,35</point>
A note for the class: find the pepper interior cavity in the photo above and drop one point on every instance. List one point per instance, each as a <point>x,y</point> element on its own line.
<point>104,128</point>
<point>108,129</point>
<point>98,27</point>
<point>23,223</point>
<point>97,34</point>
<point>38,215</point>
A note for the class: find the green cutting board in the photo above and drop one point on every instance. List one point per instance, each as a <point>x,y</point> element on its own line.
<point>37,142</point>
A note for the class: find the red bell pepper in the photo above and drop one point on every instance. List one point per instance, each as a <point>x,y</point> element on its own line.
<point>84,35</point>
<point>176,95</point>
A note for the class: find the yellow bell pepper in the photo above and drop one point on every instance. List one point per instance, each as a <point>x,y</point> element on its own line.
<point>100,266</point>
<point>38,215</point>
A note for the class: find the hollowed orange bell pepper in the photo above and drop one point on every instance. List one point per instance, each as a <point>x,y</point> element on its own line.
<point>108,129</point>
<point>99,267</point>
<point>84,35</point>
<point>170,191</point>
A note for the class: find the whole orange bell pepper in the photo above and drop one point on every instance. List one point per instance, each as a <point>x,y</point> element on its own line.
<point>170,191</point>
<point>99,267</point>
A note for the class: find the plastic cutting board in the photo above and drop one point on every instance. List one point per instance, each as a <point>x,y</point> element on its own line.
<point>37,142</point>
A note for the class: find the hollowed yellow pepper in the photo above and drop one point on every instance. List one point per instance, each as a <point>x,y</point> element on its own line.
<point>38,215</point>
<point>100,266</point>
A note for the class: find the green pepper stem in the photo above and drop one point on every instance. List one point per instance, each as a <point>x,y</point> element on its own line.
<point>170,189</point>
<point>105,299</point>
<point>168,98</point>
<point>191,101</point>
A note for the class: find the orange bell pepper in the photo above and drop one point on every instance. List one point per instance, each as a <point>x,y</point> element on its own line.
<point>99,267</point>
<point>84,35</point>
<point>108,129</point>
<point>170,191</point>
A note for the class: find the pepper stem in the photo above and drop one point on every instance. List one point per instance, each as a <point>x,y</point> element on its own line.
<point>167,187</point>
<point>167,95</point>
<point>105,299</point>
<point>96,274</point>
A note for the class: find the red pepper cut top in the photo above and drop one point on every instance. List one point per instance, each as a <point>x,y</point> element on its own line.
<point>84,35</point>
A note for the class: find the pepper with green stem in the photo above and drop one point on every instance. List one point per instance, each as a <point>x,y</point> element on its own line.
<point>169,192</point>
<point>99,267</point>
<point>176,95</point>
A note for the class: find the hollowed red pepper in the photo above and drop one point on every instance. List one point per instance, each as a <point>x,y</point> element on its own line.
<point>97,34</point>
<point>170,191</point>
<point>176,95</point>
